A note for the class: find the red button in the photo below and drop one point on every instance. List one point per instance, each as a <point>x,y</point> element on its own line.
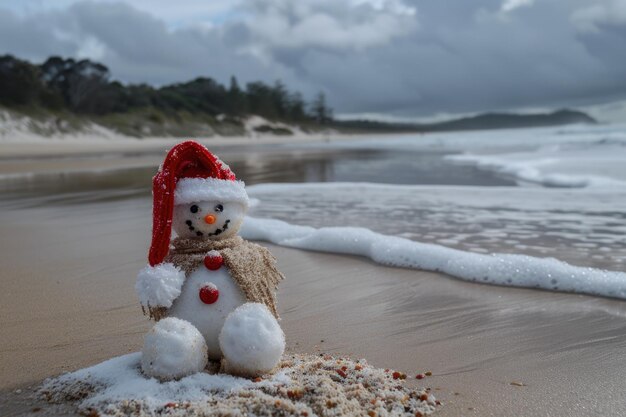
<point>209,294</point>
<point>213,262</point>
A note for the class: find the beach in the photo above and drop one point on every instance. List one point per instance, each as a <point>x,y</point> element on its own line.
<point>75,228</point>
<point>480,342</point>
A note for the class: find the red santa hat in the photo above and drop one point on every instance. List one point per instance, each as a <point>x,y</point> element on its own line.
<point>190,173</point>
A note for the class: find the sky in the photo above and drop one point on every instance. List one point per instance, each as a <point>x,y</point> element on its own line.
<point>383,58</point>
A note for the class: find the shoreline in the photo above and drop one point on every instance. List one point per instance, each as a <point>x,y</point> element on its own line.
<point>90,145</point>
<point>20,158</point>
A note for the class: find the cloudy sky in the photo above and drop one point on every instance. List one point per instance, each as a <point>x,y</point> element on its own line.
<point>395,57</point>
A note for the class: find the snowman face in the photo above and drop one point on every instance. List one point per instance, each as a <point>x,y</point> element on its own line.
<point>208,219</point>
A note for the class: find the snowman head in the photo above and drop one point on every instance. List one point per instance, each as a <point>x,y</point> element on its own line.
<point>213,219</point>
<point>208,208</point>
<point>197,195</point>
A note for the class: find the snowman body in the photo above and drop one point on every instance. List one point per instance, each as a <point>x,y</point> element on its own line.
<point>208,318</point>
<point>202,312</point>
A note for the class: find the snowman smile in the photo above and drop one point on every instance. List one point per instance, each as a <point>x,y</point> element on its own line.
<point>217,232</point>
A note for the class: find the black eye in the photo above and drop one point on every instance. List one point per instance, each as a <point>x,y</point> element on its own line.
<point>219,208</point>
<point>193,209</point>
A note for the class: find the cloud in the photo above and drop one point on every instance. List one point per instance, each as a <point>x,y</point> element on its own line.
<point>402,57</point>
<point>91,48</point>
<point>510,5</point>
<point>327,24</point>
<point>134,44</point>
<point>175,14</point>
<point>605,12</point>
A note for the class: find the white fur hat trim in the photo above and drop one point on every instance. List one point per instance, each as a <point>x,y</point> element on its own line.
<point>190,190</point>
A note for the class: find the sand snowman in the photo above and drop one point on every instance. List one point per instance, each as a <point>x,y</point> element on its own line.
<point>211,292</point>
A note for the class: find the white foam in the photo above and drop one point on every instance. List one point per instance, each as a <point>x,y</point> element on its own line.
<point>491,141</point>
<point>547,221</point>
<point>498,269</point>
<point>573,157</point>
<point>533,170</point>
<point>591,157</point>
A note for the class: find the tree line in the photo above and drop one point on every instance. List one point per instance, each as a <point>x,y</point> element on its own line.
<point>84,87</point>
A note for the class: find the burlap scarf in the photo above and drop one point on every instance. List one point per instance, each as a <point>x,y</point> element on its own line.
<point>252,267</point>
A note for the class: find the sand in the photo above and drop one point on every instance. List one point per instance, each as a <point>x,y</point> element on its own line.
<point>40,147</point>
<point>98,154</point>
<point>67,302</point>
<point>302,385</point>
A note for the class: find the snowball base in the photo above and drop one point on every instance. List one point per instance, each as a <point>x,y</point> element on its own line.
<point>251,341</point>
<point>173,349</point>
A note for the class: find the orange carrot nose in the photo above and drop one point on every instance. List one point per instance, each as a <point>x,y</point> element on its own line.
<point>209,219</point>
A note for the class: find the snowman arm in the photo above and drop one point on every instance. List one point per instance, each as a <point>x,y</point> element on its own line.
<point>159,285</point>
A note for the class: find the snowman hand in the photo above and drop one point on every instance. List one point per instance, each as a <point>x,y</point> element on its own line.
<point>158,286</point>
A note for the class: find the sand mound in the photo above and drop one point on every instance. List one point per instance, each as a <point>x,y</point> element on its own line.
<point>303,386</point>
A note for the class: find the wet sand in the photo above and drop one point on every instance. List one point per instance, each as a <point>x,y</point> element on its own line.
<point>91,145</point>
<point>68,302</point>
<point>78,154</point>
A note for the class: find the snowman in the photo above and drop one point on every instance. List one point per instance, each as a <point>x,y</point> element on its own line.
<point>211,293</point>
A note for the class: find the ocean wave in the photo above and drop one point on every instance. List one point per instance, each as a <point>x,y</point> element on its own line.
<point>497,268</point>
<point>530,171</point>
<point>583,226</point>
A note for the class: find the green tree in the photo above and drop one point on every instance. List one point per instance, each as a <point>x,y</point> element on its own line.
<point>20,82</point>
<point>236,99</point>
<point>261,100</point>
<point>296,108</point>
<point>280,99</point>
<point>321,113</point>
<point>84,86</point>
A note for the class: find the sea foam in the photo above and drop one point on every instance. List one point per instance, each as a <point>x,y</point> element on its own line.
<point>532,171</point>
<point>497,268</point>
